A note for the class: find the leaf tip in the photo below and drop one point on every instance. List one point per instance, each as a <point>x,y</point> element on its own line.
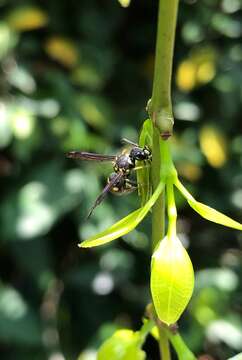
<point>82,245</point>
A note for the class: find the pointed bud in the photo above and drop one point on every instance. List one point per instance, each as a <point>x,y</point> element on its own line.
<point>172,279</point>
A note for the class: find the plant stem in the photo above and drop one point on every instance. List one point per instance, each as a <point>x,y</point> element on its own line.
<point>172,213</point>
<point>160,107</point>
<point>160,111</point>
<point>158,211</point>
<point>183,352</point>
<point>164,344</point>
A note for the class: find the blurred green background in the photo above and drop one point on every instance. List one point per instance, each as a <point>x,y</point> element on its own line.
<point>77,75</point>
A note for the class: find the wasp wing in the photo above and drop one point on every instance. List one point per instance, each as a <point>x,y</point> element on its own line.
<point>103,194</point>
<point>82,155</point>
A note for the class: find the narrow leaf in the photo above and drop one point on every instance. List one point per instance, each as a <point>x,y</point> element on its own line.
<point>123,226</point>
<point>146,134</point>
<point>213,215</point>
<point>206,211</point>
<point>172,280</point>
<point>144,183</point>
<point>143,173</point>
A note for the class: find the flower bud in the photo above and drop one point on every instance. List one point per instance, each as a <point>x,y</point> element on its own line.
<point>172,279</point>
<point>122,345</point>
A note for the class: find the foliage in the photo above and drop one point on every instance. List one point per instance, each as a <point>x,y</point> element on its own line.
<point>76,75</point>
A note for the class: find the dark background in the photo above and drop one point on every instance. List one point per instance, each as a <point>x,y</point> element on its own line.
<point>77,75</point>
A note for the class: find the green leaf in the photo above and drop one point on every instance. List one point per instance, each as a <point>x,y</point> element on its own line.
<point>19,324</point>
<point>146,134</point>
<point>123,226</point>
<point>143,172</point>
<point>122,345</point>
<point>172,279</point>
<point>237,357</point>
<point>206,211</point>
<point>213,215</point>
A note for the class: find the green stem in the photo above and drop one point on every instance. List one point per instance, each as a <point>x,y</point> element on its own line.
<point>183,352</point>
<point>160,107</point>
<point>158,211</point>
<point>145,330</point>
<point>171,205</point>
<point>160,110</point>
<point>164,344</point>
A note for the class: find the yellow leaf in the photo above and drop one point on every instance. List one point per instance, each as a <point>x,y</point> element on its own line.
<point>124,3</point>
<point>62,50</point>
<point>198,69</point>
<point>27,18</point>
<point>186,75</point>
<point>214,146</point>
<point>172,280</point>
<point>189,171</point>
<point>206,72</point>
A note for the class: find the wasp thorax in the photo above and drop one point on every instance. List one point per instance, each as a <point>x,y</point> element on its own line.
<point>124,163</point>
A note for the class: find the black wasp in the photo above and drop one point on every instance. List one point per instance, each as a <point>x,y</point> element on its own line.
<point>118,182</point>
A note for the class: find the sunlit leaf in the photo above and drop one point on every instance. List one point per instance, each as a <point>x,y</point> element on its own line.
<point>89,76</point>
<point>206,211</point>
<point>5,126</point>
<point>213,215</point>
<point>8,39</point>
<point>18,323</point>
<point>186,75</point>
<point>22,79</point>
<point>22,122</point>
<point>95,110</point>
<point>198,69</point>
<point>123,345</point>
<point>123,226</point>
<point>27,18</point>
<point>237,357</point>
<point>189,171</point>
<point>62,50</point>
<point>124,3</point>
<point>227,331</point>
<point>214,145</point>
<point>172,280</point>
<point>226,25</point>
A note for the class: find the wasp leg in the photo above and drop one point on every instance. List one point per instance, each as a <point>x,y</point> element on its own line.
<point>142,166</point>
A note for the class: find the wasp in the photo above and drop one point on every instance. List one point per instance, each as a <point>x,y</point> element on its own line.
<point>118,182</point>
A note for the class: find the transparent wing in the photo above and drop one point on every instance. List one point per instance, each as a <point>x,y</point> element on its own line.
<point>82,155</point>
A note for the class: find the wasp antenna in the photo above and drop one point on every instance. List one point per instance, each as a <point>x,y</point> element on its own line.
<point>126,141</point>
